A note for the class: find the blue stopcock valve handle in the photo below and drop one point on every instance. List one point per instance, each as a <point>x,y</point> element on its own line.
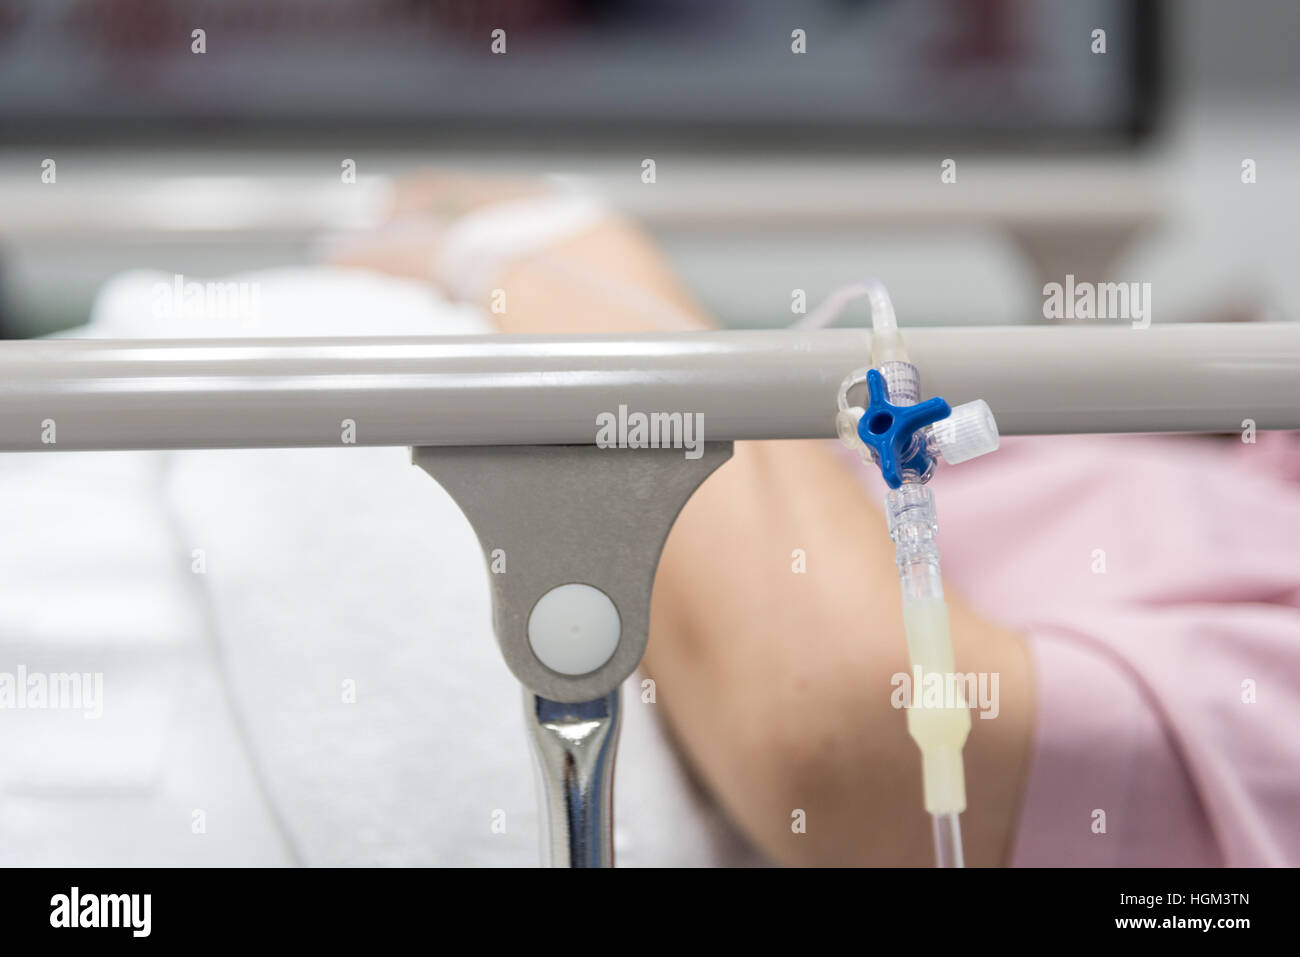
<point>888,430</point>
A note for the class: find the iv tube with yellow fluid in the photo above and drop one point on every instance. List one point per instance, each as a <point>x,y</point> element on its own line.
<point>905,438</point>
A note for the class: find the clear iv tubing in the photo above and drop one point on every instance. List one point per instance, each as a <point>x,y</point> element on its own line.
<point>947,840</point>
<point>940,732</point>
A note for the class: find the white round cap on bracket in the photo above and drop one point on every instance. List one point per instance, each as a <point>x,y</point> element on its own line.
<point>573,629</point>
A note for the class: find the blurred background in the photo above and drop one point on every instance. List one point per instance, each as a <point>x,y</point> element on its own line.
<point>775,170</point>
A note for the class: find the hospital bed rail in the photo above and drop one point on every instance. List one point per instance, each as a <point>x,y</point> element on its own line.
<point>543,390</point>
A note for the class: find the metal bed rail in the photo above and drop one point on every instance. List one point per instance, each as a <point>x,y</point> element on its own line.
<point>545,390</point>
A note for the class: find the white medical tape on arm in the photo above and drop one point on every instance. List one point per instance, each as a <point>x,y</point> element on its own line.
<point>479,245</point>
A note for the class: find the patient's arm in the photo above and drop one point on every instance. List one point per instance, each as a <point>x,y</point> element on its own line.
<point>775,684</point>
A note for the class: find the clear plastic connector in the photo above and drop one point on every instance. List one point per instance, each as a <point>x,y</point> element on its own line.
<point>846,426</point>
<point>970,431</point>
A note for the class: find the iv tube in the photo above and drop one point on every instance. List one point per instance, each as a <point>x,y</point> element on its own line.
<point>939,728</point>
